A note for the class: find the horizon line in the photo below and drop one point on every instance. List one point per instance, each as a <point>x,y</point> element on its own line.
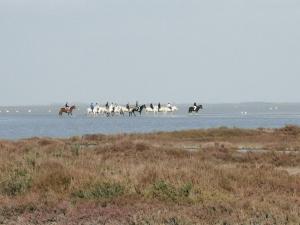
<point>181,103</point>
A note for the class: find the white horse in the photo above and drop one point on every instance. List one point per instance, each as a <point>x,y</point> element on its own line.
<point>97,110</point>
<point>149,109</point>
<point>89,111</point>
<point>154,110</point>
<point>165,109</point>
<point>120,109</point>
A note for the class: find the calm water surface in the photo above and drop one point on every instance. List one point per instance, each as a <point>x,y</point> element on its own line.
<point>44,121</point>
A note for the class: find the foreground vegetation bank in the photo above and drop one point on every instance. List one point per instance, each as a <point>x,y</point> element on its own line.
<point>215,176</point>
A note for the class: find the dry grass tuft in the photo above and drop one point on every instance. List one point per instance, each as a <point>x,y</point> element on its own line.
<point>52,176</point>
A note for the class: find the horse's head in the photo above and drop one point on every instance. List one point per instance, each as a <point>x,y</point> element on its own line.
<point>72,107</point>
<point>199,107</point>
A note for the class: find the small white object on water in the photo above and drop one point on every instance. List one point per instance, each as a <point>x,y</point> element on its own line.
<point>7,111</point>
<point>29,110</point>
<point>244,113</point>
<point>17,111</point>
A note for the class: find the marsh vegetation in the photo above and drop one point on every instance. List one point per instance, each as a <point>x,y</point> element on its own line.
<point>184,177</point>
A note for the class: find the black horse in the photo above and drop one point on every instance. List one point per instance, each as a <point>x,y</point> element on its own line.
<point>136,109</point>
<point>192,108</point>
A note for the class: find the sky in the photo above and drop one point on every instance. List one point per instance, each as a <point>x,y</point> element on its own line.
<point>180,51</point>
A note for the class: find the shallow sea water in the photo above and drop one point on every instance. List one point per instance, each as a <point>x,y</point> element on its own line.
<point>43,121</point>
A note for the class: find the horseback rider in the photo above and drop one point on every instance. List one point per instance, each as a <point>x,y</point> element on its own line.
<point>127,106</point>
<point>92,107</point>
<point>159,106</point>
<point>136,104</point>
<point>67,107</point>
<point>151,106</point>
<point>97,107</point>
<point>112,107</point>
<point>106,105</point>
<point>195,106</point>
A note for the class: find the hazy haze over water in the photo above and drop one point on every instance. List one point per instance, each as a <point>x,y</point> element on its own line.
<point>160,50</point>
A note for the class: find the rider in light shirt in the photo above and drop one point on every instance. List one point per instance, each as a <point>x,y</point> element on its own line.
<point>195,106</point>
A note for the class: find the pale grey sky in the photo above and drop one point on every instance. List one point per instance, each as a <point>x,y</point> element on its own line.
<point>149,50</point>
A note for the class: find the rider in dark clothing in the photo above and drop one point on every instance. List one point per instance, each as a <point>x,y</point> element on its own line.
<point>158,106</point>
<point>127,105</point>
<point>195,105</point>
<point>66,105</point>
<point>151,106</point>
<point>136,104</point>
<point>92,106</point>
<point>106,105</point>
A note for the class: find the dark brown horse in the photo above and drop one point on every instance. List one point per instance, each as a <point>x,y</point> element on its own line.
<point>66,110</point>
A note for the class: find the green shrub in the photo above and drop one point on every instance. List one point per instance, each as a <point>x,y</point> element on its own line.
<point>18,182</point>
<point>165,191</point>
<point>185,190</point>
<point>101,191</point>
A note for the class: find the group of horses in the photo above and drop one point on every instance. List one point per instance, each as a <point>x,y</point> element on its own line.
<point>115,110</point>
<point>131,110</point>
